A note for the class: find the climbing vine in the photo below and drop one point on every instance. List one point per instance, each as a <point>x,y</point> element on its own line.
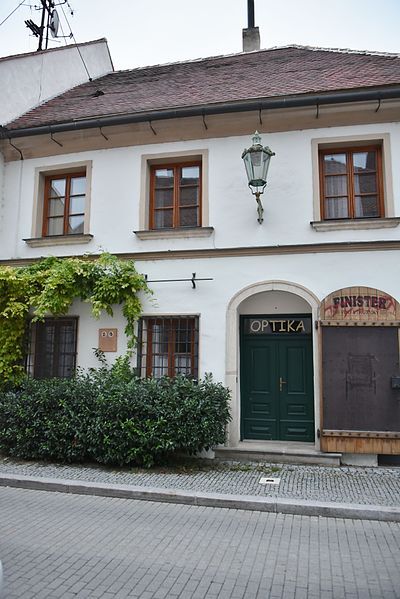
<point>49,286</point>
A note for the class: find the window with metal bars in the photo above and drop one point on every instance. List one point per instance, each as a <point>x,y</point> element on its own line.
<point>52,348</point>
<point>168,345</point>
<point>175,195</point>
<point>351,182</point>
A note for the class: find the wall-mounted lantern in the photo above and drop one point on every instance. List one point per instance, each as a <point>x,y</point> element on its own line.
<point>256,161</point>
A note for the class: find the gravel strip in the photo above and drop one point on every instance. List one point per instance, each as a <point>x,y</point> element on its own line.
<point>371,486</point>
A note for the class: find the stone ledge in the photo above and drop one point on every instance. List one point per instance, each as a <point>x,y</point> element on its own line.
<point>50,240</point>
<point>355,224</point>
<point>175,233</point>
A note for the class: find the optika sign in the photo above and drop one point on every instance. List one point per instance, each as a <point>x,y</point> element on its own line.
<point>265,326</point>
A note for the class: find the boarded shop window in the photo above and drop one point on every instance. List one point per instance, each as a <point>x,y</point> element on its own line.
<point>358,364</point>
<point>351,183</point>
<point>52,348</point>
<point>168,346</point>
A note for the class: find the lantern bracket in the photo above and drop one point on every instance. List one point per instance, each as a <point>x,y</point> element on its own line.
<point>260,208</point>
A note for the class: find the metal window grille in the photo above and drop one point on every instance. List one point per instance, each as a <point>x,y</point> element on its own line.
<point>168,346</point>
<point>52,348</point>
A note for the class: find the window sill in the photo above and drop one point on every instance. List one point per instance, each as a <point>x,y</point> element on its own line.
<point>37,242</point>
<point>355,224</point>
<point>189,232</point>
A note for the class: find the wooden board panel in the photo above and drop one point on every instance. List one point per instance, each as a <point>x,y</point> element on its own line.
<point>360,445</point>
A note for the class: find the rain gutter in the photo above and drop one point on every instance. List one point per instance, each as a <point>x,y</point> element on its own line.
<point>363,95</point>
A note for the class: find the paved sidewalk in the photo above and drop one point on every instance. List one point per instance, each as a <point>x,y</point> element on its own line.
<point>372,493</point>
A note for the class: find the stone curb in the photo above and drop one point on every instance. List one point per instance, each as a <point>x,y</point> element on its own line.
<point>238,502</point>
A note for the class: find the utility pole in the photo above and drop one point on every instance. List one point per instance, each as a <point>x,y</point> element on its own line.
<point>38,30</point>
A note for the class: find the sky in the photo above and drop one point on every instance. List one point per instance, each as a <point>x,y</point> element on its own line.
<point>158,31</point>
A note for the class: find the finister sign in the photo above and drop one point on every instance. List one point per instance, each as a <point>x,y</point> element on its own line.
<point>360,304</point>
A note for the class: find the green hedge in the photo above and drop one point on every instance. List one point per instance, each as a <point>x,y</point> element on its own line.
<point>110,416</point>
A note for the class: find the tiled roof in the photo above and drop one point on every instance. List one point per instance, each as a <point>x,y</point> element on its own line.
<point>276,72</point>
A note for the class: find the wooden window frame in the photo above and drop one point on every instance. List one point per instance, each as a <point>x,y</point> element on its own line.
<point>175,166</point>
<point>146,355</point>
<point>46,203</point>
<point>349,151</point>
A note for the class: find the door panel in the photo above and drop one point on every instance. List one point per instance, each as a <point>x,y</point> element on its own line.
<point>260,410</point>
<point>294,359</point>
<point>296,397</point>
<point>277,388</point>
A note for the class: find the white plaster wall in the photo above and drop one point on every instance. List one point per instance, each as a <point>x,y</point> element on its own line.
<point>116,180</point>
<point>88,334</point>
<point>28,80</point>
<point>274,302</point>
<point>320,274</point>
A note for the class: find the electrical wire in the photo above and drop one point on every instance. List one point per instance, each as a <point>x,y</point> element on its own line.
<point>77,47</point>
<point>12,12</point>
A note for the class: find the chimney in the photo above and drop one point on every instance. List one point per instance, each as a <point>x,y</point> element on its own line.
<point>251,35</point>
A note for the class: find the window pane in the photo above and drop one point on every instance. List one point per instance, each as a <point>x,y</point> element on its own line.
<point>190,175</point>
<point>183,364</point>
<point>77,205</point>
<point>66,366</point>
<point>160,366</point>
<point>364,161</point>
<point>183,337</point>
<point>163,219</point>
<point>189,196</point>
<point>365,183</point>
<point>336,186</point>
<point>164,198</point>
<point>366,207</point>
<point>188,217</point>
<point>336,208</point>
<point>55,226</point>
<point>160,339</point>
<point>335,164</point>
<point>56,207</point>
<point>57,188</point>
<point>78,186</point>
<point>75,224</point>
<point>164,177</point>
<point>159,350</point>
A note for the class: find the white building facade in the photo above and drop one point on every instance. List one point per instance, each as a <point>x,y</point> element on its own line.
<point>296,315</point>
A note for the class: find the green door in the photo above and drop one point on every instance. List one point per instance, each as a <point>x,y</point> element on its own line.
<point>277,400</point>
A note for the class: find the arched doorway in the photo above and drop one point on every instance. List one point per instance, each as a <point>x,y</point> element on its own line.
<point>270,363</point>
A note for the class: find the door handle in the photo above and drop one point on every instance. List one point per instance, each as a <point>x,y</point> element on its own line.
<point>281,383</point>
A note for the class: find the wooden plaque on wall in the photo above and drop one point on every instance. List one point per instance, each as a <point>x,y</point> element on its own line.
<point>360,305</point>
<point>108,339</point>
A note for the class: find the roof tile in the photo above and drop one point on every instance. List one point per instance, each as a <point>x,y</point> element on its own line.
<point>269,73</point>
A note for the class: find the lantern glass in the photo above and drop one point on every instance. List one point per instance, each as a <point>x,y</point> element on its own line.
<point>256,161</point>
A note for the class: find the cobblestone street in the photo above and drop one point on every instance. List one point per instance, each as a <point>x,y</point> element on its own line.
<point>376,486</point>
<point>56,545</point>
